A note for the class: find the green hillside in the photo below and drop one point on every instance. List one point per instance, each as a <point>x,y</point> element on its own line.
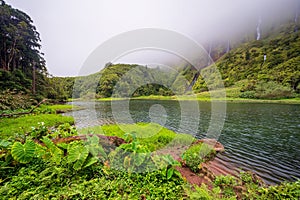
<point>268,68</point>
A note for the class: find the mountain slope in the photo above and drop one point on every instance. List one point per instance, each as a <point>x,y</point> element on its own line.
<point>272,63</point>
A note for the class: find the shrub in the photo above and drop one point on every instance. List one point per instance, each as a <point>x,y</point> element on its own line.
<point>248,95</point>
<point>11,100</point>
<point>272,90</point>
<point>197,154</point>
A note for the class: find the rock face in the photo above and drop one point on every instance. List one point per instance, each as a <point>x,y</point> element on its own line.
<point>217,146</point>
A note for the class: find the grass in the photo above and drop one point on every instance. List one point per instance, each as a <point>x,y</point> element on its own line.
<point>24,124</point>
<point>62,108</point>
<point>152,135</point>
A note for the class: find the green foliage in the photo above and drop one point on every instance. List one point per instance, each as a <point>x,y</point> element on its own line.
<point>72,171</point>
<point>39,131</point>
<point>95,149</point>
<point>20,52</point>
<point>60,88</point>
<point>224,181</point>
<point>266,90</point>
<point>23,153</point>
<point>133,155</point>
<point>77,155</point>
<point>22,125</point>
<point>63,131</point>
<point>151,135</point>
<point>15,81</point>
<point>202,193</point>
<point>53,153</point>
<point>246,62</point>
<point>123,80</point>
<point>12,100</point>
<point>197,154</point>
<point>167,164</point>
<point>282,191</point>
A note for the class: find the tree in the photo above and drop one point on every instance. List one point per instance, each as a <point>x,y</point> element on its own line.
<point>19,43</point>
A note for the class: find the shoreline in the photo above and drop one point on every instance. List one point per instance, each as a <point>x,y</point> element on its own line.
<point>295,101</point>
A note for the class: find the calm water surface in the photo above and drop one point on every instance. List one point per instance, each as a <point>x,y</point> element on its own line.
<point>264,138</point>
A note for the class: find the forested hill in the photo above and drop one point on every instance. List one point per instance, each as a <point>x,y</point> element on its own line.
<point>124,80</point>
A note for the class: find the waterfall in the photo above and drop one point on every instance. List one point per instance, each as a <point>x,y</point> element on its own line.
<point>228,46</point>
<point>209,54</point>
<point>258,29</point>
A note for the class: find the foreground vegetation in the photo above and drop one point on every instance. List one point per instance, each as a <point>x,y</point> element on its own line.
<point>44,115</point>
<point>46,164</point>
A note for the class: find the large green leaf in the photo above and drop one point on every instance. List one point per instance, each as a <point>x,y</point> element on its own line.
<point>139,158</point>
<point>77,154</point>
<point>90,161</point>
<point>4,144</point>
<point>55,152</point>
<point>95,148</point>
<point>23,153</point>
<point>170,173</point>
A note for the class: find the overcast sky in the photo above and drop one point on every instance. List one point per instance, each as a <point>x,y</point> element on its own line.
<point>71,29</point>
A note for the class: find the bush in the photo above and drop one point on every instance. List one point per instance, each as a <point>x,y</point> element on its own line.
<point>197,154</point>
<point>272,90</point>
<point>12,100</point>
<point>248,95</point>
<point>282,191</point>
<point>266,90</point>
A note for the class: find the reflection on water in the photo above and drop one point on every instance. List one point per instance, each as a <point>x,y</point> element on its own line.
<point>264,138</point>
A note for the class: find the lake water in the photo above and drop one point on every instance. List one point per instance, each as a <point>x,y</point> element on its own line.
<point>263,138</point>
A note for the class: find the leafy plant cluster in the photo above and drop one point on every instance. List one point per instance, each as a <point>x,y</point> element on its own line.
<point>197,154</point>
<point>72,170</point>
<point>34,167</point>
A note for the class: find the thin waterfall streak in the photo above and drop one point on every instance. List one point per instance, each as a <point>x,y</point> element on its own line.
<point>209,54</point>
<point>258,29</point>
<point>228,46</point>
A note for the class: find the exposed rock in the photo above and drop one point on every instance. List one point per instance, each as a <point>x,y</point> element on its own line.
<point>217,146</point>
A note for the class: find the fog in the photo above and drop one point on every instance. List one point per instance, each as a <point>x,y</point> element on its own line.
<point>72,29</point>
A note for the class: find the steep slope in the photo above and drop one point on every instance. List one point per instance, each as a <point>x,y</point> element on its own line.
<point>269,64</point>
